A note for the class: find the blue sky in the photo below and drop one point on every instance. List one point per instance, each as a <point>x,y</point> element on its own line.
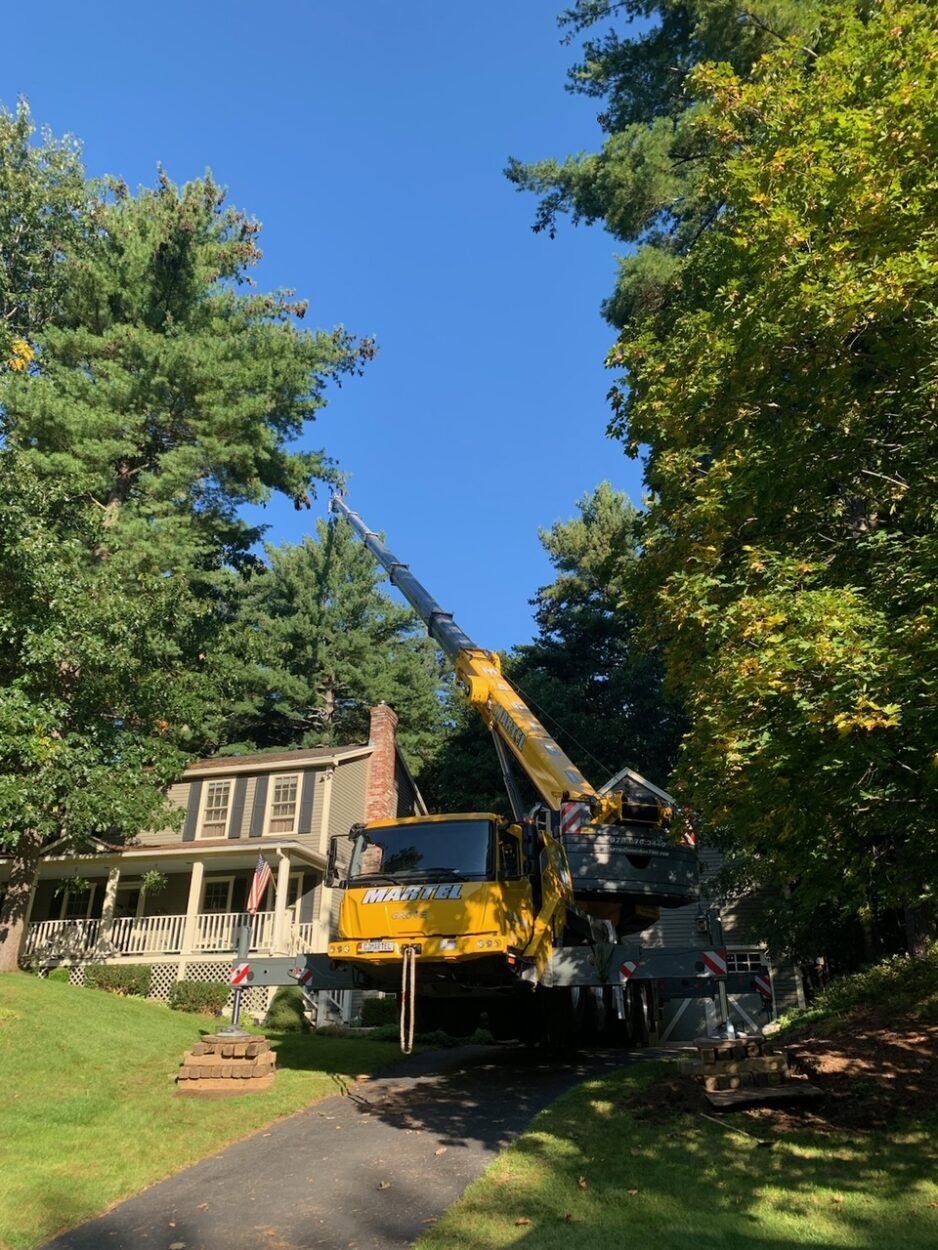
<point>369,138</point>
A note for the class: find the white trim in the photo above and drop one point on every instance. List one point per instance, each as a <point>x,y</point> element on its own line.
<point>91,887</point>
<point>314,763</point>
<point>133,883</point>
<point>271,785</point>
<point>203,804</point>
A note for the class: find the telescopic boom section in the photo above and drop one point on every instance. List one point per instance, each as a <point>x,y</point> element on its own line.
<point>479,672</point>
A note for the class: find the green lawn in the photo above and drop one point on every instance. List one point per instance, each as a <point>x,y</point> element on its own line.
<point>88,1110</point>
<point>589,1175</point>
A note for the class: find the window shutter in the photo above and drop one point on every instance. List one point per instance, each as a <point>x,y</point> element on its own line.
<point>305,824</point>
<point>237,808</point>
<point>192,811</point>
<point>260,807</point>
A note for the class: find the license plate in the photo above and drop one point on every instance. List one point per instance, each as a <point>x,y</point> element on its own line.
<point>375,948</point>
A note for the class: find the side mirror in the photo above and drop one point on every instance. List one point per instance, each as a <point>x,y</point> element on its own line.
<point>333,877</point>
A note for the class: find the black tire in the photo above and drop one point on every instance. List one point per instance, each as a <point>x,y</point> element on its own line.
<point>562,1011</point>
<point>644,1024</point>
<point>595,1016</point>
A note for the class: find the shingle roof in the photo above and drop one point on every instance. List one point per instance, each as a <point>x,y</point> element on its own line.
<point>309,755</point>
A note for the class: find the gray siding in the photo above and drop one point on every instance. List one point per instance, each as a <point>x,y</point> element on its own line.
<point>406,797</point>
<point>309,815</point>
<point>179,797</point>
<point>349,790</point>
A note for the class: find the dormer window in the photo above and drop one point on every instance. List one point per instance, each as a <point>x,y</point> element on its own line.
<point>215,812</point>
<point>282,816</point>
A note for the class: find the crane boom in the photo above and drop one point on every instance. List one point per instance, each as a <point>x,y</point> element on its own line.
<point>440,625</point>
<point>479,672</point>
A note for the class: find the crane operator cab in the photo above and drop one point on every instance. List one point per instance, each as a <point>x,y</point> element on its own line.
<point>463,890</point>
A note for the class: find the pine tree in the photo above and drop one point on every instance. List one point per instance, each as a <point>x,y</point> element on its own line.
<point>647,184</point>
<point>318,642</point>
<point>158,396</point>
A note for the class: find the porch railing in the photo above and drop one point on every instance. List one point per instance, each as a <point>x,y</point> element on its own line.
<point>62,939</point>
<point>215,932</point>
<point>148,935</point>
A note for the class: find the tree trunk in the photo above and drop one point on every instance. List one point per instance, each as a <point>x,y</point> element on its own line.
<point>919,929</point>
<point>23,867</point>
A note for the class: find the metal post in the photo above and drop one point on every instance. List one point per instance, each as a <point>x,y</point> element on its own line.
<point>242,946</point>
<point>724,1027</point>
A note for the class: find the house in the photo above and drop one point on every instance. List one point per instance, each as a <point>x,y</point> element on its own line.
<point>684,928</point>
<point>284,805</point>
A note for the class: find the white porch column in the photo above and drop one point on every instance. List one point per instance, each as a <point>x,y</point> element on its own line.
<point>107,909</point>
<point>281,935</point>
<point>192,908</point>
<point>322,920</point>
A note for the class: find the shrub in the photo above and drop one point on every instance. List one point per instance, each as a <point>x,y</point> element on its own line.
<point>378,1011</point>
<point>126,980</point>
<point>201,997</point>
<point>285,1013</point>
<point>59,974</point>
<point>384,1033</point>
<point>900,984</point>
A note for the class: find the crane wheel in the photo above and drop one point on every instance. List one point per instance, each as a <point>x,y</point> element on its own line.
<point>561,1010</point>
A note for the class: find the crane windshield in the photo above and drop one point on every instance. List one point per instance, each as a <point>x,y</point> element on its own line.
<point>449,850</point>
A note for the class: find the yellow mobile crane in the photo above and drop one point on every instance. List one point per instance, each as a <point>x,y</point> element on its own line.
<point>521,919</point>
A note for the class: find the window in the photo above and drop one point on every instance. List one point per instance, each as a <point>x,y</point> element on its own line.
<point>215,811</point>
<point>282,818</point>
<point>216,896</point>
<point>745,961</point>
<point>76,905</point>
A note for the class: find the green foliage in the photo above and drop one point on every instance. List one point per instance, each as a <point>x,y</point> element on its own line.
<point>602,694</point>
<point>153,882</point>
<point>125,980</point>
<point>45,221</point>
<point>385,1033</point>
<point>899,986</point>
<point>199,997</point>
<point>88,674</point>
<point>787,395</point>
<point>317,642</point>
<point>286,1012</point>
<point>60,974</point>
<point>157,393</point>
<point>775,164</point>
<point>377,1011</point>
<point>648,183</point>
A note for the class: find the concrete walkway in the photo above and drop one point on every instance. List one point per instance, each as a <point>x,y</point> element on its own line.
<point>370,1168</point>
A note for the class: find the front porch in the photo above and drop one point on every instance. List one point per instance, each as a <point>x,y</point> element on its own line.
<point>102,908</point>
<point>85,941</point>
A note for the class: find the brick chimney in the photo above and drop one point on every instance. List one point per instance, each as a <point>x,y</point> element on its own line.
<point>381,801</point>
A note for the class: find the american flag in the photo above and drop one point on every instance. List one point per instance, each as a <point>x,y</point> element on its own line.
<point>259,885</point>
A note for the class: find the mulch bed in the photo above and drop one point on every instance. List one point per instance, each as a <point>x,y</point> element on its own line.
<point>872,1074</point>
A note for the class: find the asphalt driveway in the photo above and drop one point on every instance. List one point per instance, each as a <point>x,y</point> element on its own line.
<point>368,1168</point>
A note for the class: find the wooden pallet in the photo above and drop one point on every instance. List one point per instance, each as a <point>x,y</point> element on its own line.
<point>787,1092</point>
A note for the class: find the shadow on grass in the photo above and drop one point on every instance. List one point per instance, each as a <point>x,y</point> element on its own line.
<point>589,1173</point>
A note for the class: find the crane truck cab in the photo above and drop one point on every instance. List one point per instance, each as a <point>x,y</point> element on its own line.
<point>466,891</point>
